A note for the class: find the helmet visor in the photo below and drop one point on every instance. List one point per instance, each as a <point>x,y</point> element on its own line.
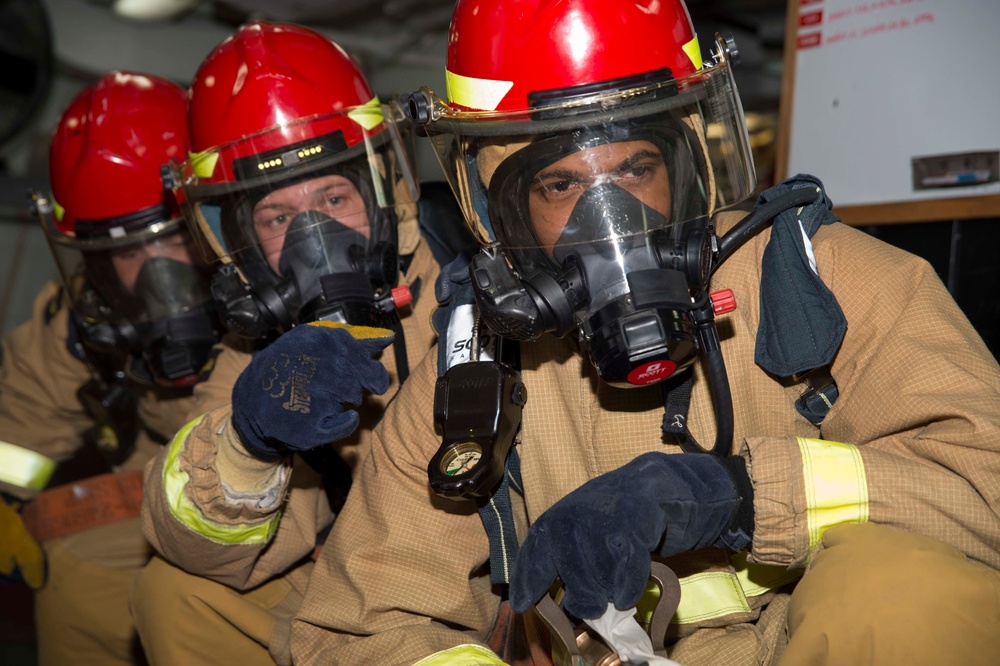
<point>351,166</point>
<point>679,146</point>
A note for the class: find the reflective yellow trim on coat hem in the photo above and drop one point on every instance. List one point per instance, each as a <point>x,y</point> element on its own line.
<point>184,510</point>
<point>757,579</point>
<point>24,468</point>
<point>463,655</point>
<point>836,486</point>
<point>707,596</point>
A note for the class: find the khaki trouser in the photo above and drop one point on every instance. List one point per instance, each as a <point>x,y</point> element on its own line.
<point>881,596</point>
<point>188,619</point>
<point>81,612</point>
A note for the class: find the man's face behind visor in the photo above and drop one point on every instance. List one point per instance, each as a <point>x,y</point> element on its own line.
<point>129,260</point>
<point>637,167</point>
<point>332,196</point>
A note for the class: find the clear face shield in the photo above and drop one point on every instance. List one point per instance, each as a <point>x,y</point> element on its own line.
<point>600,203</point>
<point>137,285</point>
<point>309,225</point>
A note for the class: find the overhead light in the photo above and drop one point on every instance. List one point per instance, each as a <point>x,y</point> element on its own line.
<point>152,10</point>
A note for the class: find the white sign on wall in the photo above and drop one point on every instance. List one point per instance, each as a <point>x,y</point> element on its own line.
<point>895,103</point>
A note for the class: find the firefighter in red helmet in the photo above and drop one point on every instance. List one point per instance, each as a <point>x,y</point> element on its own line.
<point>301,186</point>
<point>599,151</point>
<point>107,360</point>
<point>110,215</point>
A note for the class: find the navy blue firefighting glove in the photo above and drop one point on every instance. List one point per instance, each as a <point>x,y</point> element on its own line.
<point>297,392</point>
<point>598,538</point>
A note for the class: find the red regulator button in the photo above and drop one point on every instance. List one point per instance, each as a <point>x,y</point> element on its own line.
<point>651,372</point>
<point>723,301</point>
<point>401,296</point>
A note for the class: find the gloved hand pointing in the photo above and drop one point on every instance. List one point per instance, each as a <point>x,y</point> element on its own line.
<point>599,537</point>
<point>19,552</point>
<point>297,392</point>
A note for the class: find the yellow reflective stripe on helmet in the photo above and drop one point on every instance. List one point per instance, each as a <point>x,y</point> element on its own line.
<point>203,164</point>
<point>693,51</point>
<point>184,510</point>
<point>484,94</point>
<point>368,115</point>
<point>836,486</point>
<point>24,468</point>
<point>463,655</point>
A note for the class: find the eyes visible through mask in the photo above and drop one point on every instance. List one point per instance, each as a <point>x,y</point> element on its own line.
<point>129,260</point>
<point>635,166</point>
<point>332,196</point>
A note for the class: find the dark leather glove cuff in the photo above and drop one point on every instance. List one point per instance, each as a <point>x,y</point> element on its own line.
<point>738,535</point>
<point>253,442</point>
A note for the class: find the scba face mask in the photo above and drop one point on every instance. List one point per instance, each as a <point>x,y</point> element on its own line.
<point>305,230</point>
<point>606,238</point>
<point>330,262</point>
<point>166,320</point>
<point>176,337</point>
<point>336,258</point>
<point>139,293</point>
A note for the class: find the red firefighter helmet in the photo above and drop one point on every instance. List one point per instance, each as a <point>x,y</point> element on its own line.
<point>282,118</point>
<point>125,252</point>
<point>559,76</point>
<point>100,173</point>
<point>267,76</point>
<point>502,51</point>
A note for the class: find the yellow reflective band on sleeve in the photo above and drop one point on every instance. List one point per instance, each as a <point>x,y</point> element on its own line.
<point>693,51</point>
<point>463,655</point>
<point>483,94</point>
<point>24,468</point>
<point>368,115</point>
<point>184,510</point>
<point>836,486</point>
<point>203,164</point>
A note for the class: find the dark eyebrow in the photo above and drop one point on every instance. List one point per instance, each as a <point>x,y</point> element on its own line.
<point>624,165</point>
<point>272,206</point>
<point>629,161</point>
<point>562,174</point>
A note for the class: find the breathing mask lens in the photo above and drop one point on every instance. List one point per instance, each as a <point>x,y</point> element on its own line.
<point>178,325</point>
<point>317,245</point>
<point>166,286</point>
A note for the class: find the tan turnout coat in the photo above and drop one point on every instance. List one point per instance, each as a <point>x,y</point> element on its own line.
<point>405,574</point>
